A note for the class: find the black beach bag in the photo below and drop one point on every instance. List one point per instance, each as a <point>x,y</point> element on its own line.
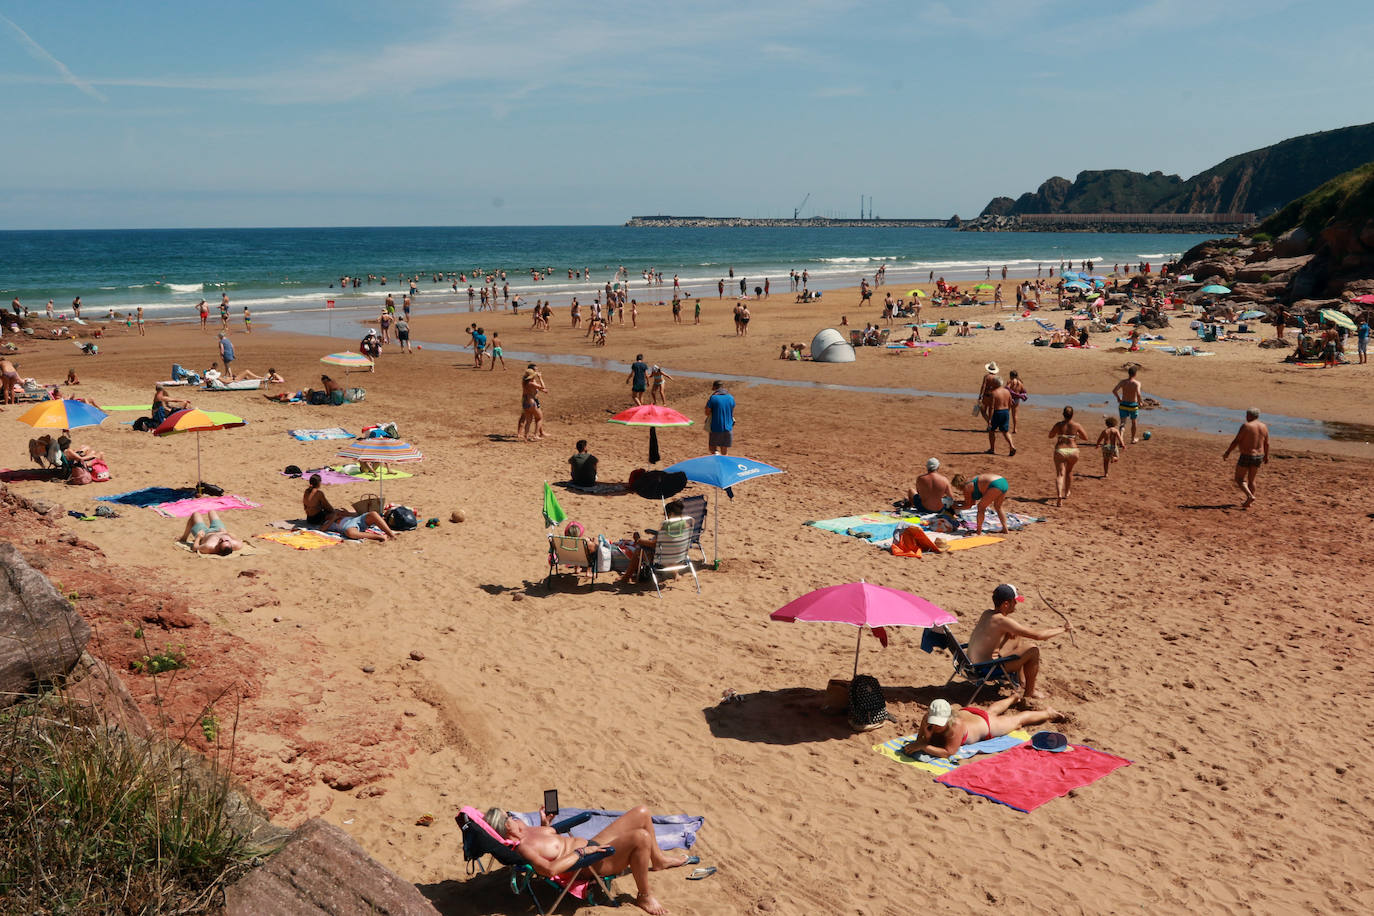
<point>867,708</point>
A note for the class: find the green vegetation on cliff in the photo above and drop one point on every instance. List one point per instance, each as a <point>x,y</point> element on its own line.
<point>1347,198</point>
<point>1260,181</point>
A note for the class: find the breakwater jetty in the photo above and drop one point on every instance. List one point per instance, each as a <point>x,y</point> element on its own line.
<point>717,222</point>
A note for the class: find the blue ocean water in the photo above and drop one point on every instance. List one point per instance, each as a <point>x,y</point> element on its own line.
<point>168,271</point>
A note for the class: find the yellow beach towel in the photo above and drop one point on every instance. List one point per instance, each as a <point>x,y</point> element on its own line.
<point>301,540</point>
<point>940,765</point>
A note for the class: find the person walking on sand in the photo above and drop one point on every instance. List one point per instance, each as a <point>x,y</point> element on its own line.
<point>1128,394</point>
<point>999,402</point>
<point>638,379</point>
<point>1067,433</point>
<point>247,321</point>
<point>224,311</point>
<point>720,412</point>
<point>142,332</point>
<point>226,354</point>
<point>990,381</point>
<point>657,392</point>
<point>531,413</point>
<point>1111,443</point>
<point>1252,444</point>
<point>997,635</point>
<point>1018,394</point>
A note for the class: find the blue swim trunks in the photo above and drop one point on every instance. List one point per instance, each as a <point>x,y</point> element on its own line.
<point>1001,421</point>
<point>1127,410</point>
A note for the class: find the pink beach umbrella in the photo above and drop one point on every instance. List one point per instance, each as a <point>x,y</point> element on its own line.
<point>862,604</point>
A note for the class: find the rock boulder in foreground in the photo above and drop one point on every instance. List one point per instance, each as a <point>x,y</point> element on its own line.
<point>41,635</point>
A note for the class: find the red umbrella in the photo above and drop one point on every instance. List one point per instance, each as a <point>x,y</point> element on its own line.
<point>652,416</point>
<point>1364,300</point>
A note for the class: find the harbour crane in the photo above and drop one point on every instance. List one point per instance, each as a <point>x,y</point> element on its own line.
<point>797,212</point>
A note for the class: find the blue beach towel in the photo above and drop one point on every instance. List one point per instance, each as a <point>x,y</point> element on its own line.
<point>149,496</point>
<point>312,435</point>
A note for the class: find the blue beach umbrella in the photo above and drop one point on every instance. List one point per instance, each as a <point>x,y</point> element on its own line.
<point>722,472</point>
<point>1076,284</point>
<point>1214,289</point>
<point>63,414</point>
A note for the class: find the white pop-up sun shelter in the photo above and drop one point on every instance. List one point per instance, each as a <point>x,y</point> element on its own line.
<point>830,347</point>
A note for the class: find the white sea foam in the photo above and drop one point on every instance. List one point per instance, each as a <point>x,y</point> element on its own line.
<point>185,287</point>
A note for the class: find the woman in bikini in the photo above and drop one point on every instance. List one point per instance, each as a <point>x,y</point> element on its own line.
<point>1065,434</point>
<point>983,490</point>
<point>945,728</point>
<point>317,507</point>
<point>1018,394</point>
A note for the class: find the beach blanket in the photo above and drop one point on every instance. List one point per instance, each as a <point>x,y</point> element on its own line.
<point>304,539</point>
<point>672,831</point>
<point>149,496</point>
<point>181,508</point>
<point>941,765</point>
<point>384,473</point>
<point>327,475</point>
<point>1046,326</point>
<point>878,528</point>
<point>1024,778</point>
<point>599,489</point>
<point>312,435</point>
<point>9,476</point>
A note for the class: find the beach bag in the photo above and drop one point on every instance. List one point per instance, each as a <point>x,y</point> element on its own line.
<point>370,503</point>
<point>337,398</point>
<point>603,554</point>
<point>79,476</point>
<point>144,424</point>
<point>401,518</point>
<point>353,396</point>
<point>867,708</point>
<point>100,471</point>
<point>317,397</point>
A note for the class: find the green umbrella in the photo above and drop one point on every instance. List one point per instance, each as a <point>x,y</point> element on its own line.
<point>1340,319</point>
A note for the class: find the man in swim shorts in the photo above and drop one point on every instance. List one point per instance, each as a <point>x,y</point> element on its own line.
<point>1128,396</point>
<point>999,421</point>
<point>932,491</point>
<point>945,729</point>
<point>1252,442</point>
<point>996,635</point>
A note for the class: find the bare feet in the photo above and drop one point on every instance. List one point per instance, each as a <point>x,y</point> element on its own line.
<point>674,862</point>
<point>649,904</point>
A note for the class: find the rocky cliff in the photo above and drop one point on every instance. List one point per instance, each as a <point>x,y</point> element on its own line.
<point>1260,181</point>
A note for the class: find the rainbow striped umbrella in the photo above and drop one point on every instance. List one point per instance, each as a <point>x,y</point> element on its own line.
<point>196,421</point>
<point>379,452</point>
<point>63,414</point>
<point>348,360</point>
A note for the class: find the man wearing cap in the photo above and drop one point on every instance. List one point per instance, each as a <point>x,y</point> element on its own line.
<point>945,729</point>
<point>996,635</point>
<point>932,492</point>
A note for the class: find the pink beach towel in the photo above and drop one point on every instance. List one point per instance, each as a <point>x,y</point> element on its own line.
<point>1025,778</point>
<point>182,508</point>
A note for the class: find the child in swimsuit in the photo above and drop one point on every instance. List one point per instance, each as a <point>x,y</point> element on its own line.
<point>1111,443</point>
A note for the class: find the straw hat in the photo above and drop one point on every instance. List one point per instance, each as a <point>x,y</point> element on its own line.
<point>991,367</point>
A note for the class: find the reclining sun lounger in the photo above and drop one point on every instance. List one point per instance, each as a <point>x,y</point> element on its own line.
<point>479,840</point>
<point>980,674</point>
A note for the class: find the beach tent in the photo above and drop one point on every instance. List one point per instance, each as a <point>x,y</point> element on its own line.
<point>829,347</point>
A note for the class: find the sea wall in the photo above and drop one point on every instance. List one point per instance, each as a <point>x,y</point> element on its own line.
<point>1112,222</point>
<point>717,222</point>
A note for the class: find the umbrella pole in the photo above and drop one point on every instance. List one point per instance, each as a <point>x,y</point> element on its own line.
<point>200,478</point>
<point>857,643</point>
<point>715,539</point>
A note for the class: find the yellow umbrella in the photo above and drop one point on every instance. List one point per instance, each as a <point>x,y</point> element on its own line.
<point>1340,319</point>
<point>916,292</point>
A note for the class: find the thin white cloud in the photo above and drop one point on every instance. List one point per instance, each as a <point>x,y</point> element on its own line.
<point>63,71</point>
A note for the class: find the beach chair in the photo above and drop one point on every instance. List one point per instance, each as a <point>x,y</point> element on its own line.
<point>571,554</point>
<point>979,674</point>
<point>694,507</point>
<point>671,547</point>
<point>856,338</point>
<point>480,840</point>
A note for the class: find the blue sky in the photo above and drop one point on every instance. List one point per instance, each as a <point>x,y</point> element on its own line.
<point>413,112</point>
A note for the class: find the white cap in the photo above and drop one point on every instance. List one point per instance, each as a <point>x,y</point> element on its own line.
<point>932,464</point>
<point>939,713</point>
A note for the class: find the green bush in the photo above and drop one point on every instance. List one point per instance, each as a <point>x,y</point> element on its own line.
<point>94,821</point>
<point>1259,238</point>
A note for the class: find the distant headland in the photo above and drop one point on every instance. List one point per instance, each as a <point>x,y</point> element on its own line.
<point>1061,222</point>
<point>716,222</point>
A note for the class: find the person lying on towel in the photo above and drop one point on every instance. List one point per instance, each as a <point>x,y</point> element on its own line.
<point>945,729</point>
<point>631,834</point>
<point>205,533</point>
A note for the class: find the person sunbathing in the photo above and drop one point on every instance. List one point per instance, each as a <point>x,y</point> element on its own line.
<point>71,377</point>
<point>945,729</point>
<point>164,405</point>
<point>205,533</point>
<point>359,526</point>
<point>317,507</point>
<point>631,835</point>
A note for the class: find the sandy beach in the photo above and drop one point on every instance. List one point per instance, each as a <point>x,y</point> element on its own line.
<point>1220,651</point>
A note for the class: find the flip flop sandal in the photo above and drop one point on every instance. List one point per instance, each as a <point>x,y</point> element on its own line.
<point>700,873</point>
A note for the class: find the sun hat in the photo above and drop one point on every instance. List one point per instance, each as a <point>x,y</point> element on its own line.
<point>1054,742</point>
<point>1005,592</point>
<point>991,367</point>
<point>932,464</point>
<point>939,712</point>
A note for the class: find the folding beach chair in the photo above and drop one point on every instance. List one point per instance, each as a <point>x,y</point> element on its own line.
<point>571,554</point>
<point>671,546</point>
<point>694,508</point>
<point>480,840</point>
<point>979,674</point>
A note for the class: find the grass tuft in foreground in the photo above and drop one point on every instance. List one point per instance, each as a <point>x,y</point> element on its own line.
<point>95,821</point>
